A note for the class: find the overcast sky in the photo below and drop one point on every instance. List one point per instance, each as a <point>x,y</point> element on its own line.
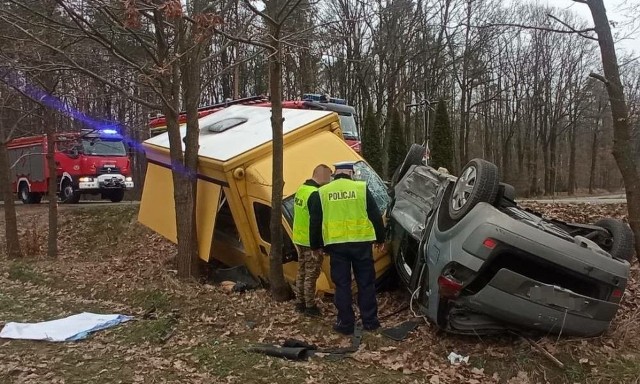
<point>626,13</point>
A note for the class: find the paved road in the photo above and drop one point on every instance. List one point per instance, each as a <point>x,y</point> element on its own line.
<point>608,199</point>
<point>82,204</point>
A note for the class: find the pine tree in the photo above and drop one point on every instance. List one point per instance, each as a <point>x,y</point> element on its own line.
<point>442,139</point>
<point>371,143</point>
<point>397,143</point>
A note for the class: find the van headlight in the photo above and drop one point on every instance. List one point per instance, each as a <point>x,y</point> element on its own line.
<point>86,179</point>
<point>128,179</point>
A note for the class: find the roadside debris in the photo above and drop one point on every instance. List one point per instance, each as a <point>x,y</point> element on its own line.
<point>293,349</point>
<point>546,353</point>
<point>456,359</point>
<point>400,331</point>
<point>235,279</point>
<point>72,328</point>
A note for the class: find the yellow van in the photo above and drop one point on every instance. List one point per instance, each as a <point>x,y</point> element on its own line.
<point>234,184</point>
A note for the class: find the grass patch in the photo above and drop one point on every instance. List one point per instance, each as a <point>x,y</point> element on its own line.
<point>153,331</point>
<point>576,372</point>
<point>624,369</point>
<point>233,360</point>
<point>100,232</point>
<point>24,272</point>
<point>155,300</point>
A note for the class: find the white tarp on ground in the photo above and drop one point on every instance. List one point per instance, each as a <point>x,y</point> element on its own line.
<point>76,327</point>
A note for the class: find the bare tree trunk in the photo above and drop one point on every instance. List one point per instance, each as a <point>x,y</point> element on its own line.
<point>571,188</point>
<point>553,139</point>
<point>52,242</point>
<point>186,190</point>
<point>226,78</point>
<point>594,160</point>
<point>463,121</point>
<point>279,288</point>
<point>10,220</point>
<point>622,144</point>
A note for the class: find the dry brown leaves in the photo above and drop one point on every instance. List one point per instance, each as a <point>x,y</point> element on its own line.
<point>112,279</point>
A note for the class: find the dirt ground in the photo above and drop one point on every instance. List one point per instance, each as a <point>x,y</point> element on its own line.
<point>189,332</point>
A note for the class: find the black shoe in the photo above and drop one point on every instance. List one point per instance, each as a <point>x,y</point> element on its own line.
<point>371,327</point>
<point>313,311</point>
<point>300,307</point>
<point>344,329</point>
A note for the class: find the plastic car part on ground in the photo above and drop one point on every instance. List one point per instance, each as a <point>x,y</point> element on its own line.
<point>293,349</point>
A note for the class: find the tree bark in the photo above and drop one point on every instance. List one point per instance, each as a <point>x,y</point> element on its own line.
<point>622,144</point>
<point>279,288</point>
<point>183,177</point>
<point>186,190</point>
<point>571,187</point>
<point>11,223</point>
<point>52,242</point>
<point>594,160</point>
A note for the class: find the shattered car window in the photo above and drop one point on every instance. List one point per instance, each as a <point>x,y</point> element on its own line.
<point>363,172</point>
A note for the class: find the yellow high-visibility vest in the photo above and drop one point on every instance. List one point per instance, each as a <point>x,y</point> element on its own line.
<point>301,215</point>
<point>344,212</point>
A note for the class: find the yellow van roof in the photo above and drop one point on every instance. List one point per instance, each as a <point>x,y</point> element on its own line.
<point>253,129</point>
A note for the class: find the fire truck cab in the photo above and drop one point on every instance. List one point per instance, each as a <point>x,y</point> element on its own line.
<point>87,162</point>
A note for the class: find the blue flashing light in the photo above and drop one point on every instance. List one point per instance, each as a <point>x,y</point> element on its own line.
<point>109,131</point>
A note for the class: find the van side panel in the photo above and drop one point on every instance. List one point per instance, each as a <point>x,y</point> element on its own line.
<point>157,207</point>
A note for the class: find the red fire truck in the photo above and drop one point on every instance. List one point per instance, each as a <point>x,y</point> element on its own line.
<point>87,162</point>
<point>346,113</point>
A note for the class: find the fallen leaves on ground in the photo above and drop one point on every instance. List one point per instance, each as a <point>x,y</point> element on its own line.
<point>197,333</point>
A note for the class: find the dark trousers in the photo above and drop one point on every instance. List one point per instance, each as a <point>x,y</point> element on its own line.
<point>360,257</point>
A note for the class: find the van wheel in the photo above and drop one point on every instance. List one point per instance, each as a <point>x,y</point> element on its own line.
<point>27,197</point>
<point>116,196</point>
<point>478,182</point>
<point>67,194</point>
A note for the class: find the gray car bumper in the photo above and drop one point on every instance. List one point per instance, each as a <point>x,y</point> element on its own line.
<point>516,299</point>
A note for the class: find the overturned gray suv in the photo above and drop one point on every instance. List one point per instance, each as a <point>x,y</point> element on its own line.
<point>477,263</point>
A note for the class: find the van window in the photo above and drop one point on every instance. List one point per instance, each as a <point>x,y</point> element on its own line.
<point>263,221</point>
<point>226,229</point>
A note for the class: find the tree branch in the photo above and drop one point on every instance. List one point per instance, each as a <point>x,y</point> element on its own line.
<point>290,10</point>
<point>514,25</point>
<point>579,32</point>
<point>255,10</point>
<point>243,40</point>
<point>599,77</point>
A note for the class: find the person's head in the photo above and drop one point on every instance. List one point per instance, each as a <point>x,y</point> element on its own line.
<point>322,174</point>
<point>345,168</point>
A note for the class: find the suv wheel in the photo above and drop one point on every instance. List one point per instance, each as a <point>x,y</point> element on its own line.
<point>620,245</point>
<point>414,157</point>
<point>478,182</point>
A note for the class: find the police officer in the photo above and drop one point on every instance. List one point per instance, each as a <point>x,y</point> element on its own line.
<point>345,221</point>
<point>309,262</point>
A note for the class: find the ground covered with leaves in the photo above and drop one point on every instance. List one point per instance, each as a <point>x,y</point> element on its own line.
<point>189,332</point>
